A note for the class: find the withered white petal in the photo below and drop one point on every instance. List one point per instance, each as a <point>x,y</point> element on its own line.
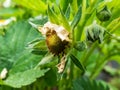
<point>61,65</point>
<point>62,33</point>
<point>3,73</point>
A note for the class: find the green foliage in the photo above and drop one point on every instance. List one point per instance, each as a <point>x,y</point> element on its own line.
<point>77,63</point>
<point>51,77</point>
<point>58,19</point>
<point>80,46</point>
<point>76,18</point>
<point>38,47</point>
<point>30,65</point>
<point>16,58</point>
<point>10,12</point>
<point>64,4</point>
<point>67,13</point>
<point>86,84</point>
<point>52,16</point>
<point>37,5</point>
<point>27,77</point>
<point>95,32</point>
<point>13,46</point>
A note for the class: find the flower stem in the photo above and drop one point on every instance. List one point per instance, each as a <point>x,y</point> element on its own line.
<point>87,54</point>
<point>86,14</point>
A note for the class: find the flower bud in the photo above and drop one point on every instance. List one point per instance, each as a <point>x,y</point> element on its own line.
<point>95,32</point>
<point>104,14</point>
<point>80,46</point>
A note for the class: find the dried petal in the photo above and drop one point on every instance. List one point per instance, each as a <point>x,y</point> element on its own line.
<point>61,32</point>
<point>61,65</point>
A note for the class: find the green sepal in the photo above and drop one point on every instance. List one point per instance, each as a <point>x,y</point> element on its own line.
<point>38,47</point>
<point>77,63</point>
<point>80,46</point>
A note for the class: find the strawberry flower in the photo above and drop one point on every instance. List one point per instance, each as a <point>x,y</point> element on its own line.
<point>57,40</point>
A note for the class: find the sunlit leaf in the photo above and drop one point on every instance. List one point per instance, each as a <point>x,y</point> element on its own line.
<point>10,12</point>
<point>52,16</point>
<point>59,19</point>
<point>37,5</point>
<point>76,18</point>
<point>64,5</point>
<point>64,21</point>
<point>74,5</point>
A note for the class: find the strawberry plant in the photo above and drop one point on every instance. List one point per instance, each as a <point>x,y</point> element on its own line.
<point>59,44</point>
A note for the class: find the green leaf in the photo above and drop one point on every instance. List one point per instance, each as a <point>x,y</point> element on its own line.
<point>39,52</point>
<point>76,18</point>
<point>64,21</point>
<point>64,4</point>
<point>13,53</point>
<point>10,12</point>
<point>86,84</point>
<point>37,5</point>
<point>20,79</point>
<point>77,63</point>
<point>74,5</point>
<point>51,77</point>
<point>47,59</point>
<point>52,16</point>
<point>38,47</point>
<point>67,13</point>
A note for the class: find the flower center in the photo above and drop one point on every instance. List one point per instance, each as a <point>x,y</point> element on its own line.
<point>54,43</point>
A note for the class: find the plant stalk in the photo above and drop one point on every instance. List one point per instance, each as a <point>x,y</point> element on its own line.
<point>87,54</point>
